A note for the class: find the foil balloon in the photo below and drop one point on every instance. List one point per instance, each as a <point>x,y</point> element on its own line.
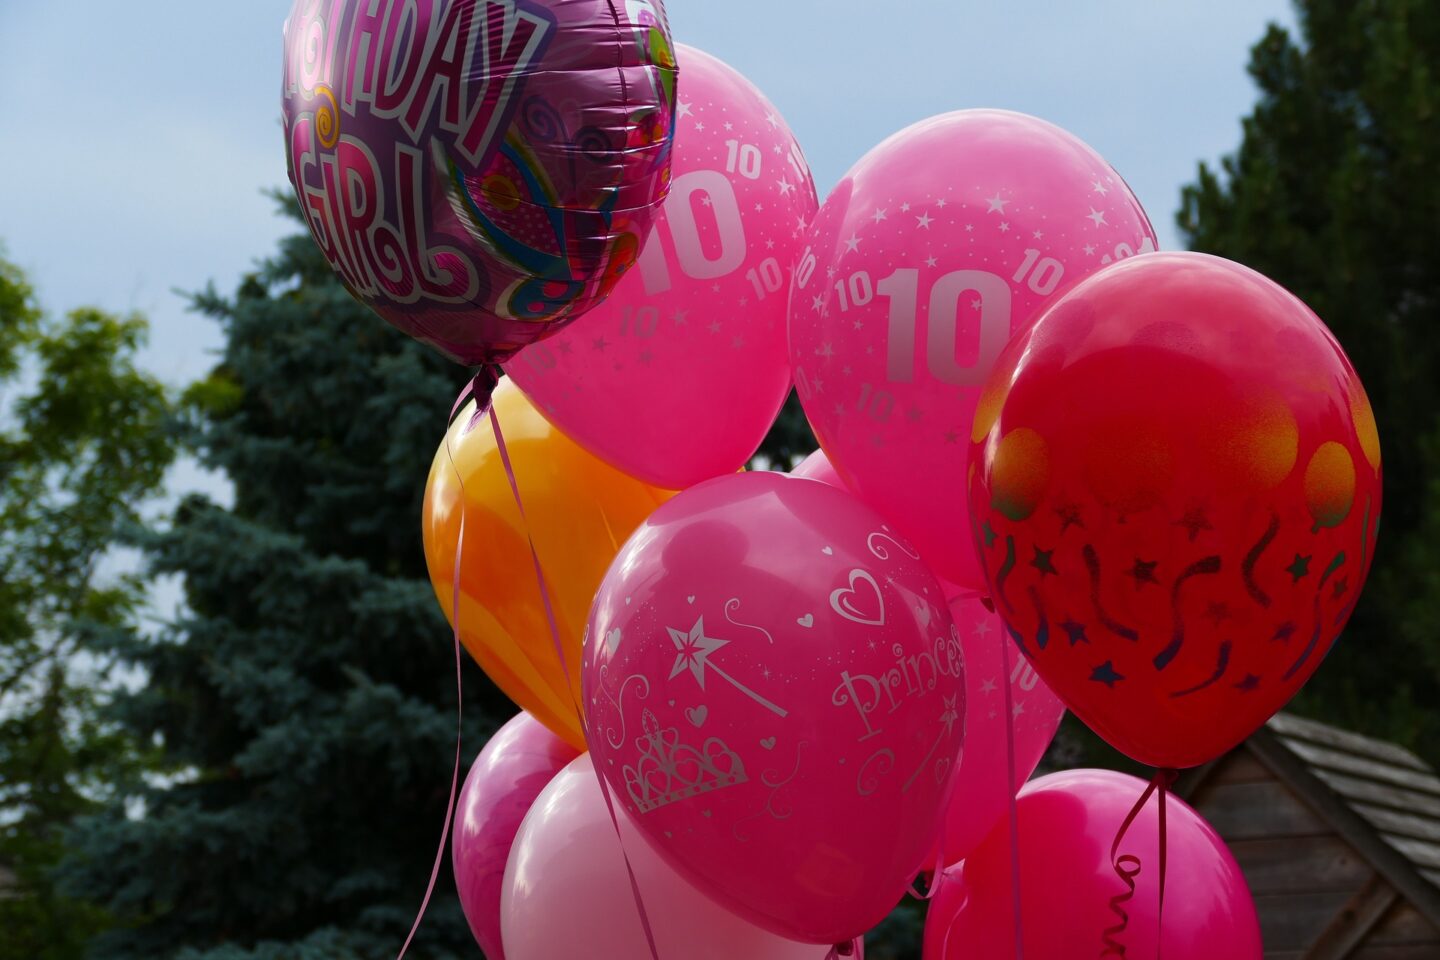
<point>775,696</point>
<point>1175,489</point>
<point>520,759</point>
<point>478,172</point>
<point>1076,901</point>
<point>648,381</point>
<point>578,512</point>
<point>567,893</point>
<point>937,246</point>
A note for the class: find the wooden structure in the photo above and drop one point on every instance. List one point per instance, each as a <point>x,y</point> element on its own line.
<point>1339,838</point>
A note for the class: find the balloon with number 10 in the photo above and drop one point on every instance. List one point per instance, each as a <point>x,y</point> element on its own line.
<point>938,245</point>
<point>652,380</point>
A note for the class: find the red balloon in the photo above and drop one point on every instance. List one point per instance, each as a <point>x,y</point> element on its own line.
<point>1174,486</point>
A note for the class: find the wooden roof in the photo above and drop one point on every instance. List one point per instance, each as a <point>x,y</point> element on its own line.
<point>1381,798</point>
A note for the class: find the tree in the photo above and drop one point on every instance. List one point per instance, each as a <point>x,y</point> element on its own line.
<point>83,442</point>
<point>305,704</point>
<point>1333,194</point>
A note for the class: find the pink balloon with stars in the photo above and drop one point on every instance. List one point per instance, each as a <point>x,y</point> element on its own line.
<point>677,377</point>
<point>938,245</point>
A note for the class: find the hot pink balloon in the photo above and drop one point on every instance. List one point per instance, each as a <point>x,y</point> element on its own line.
<point>679,375</point>
<point>773,689</point>
<point>517,763</point>
<point>1068,884</point>
<point>932,250</point>
<point>567,893</point>
<point>985,781</point>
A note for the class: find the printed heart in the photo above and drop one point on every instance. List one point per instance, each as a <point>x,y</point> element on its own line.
<point>857,605</point>
<point>924,611</point>
<point>828,552</point>
<point>707,812</point>
<point>672,703</point>
<point>768,743</point>
<point>690,599</point>
<point>697,715</point>
<point>612,641</point>
<point>627,601</point>
<point>806,621</point>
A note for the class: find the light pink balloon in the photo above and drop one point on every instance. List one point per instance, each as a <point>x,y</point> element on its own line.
<point>567,894</point>
<point>817,466</point>
<point>1067,882</point>
<point>678,376</point>
<point>985,782</point>
<point>773,688</point>
<point>517,763</point>
<point>932,250</point>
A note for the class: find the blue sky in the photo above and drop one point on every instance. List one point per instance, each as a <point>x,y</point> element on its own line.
<point>138,137</point>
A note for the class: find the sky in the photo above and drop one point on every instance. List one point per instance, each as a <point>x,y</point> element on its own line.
<point>139,138</point>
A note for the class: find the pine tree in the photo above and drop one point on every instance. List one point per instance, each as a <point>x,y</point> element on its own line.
<point>305,704</point>
<point>1333,193</point>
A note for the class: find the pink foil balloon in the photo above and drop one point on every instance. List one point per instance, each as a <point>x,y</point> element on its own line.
<point>567,893</point>
<point>517,763</point>
<point>934,248</point>
<point>679,375</point>
<point>774,692</point>
<point>1067,883</point>
<point>479,172</point>
<point>985,781</point>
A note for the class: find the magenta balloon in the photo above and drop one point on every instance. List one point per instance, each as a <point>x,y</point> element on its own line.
<point>933,249</point>
<point>567,893</point>
<point>517,763</point>
<point>1067,824</point>
<point>479,172</point>
<point>817,466</point>
<point>984,782</point>
<point>773,689</point>
<point>677,378</point>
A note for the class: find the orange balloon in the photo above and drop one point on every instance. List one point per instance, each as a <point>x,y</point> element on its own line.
<point>580,512</point>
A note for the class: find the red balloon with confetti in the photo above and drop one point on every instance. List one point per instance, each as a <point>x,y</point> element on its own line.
<point>1175,494</point>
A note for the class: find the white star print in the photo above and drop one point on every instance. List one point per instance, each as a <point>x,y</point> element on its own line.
<point>1004,226</point>
<point>982,629</point>
<point>1089,249</point>
<point>770,119</point>
<point>700,125</point>
<point>817,303</point>
<point>923,221</point>
<point>1099,188</point>
<point>1038,235</point>
<point>942,203</point>
<point>905,208</point>
<point>988,686</point>
<point>878,215</point>
<point>996,204</point>
<point>729,125</point>
<point>853,244</point>
<point>931,261</point>
<point>684,110</point>
<point>785,187</point>
<point>1096,217</point>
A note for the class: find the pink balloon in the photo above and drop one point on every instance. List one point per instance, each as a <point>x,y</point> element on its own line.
<point>932,250</point>
<point>1067,882</point>
<point>567,893</point>
<point>775,693</point>
<point>817,466</point>
<point>679,375</point>
<point>984,781</point>
<point>517,763</point>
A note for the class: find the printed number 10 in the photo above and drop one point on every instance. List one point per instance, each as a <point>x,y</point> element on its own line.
<point>903,289</point>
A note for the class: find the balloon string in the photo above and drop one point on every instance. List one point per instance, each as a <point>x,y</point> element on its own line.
<point>565,669</point>
<point>480,392</point>
<point>847,949</point>
<point>1166,780</point>
<point>1128,866</point>
<point>1015,903</point>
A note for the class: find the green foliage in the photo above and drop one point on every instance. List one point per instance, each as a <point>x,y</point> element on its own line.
<point>1333,194</point>
<point>305,703</point>
<point>84,439</point>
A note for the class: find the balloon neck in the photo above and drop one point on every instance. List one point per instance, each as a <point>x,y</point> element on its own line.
<point>480,388</point>
<point>846,949</point>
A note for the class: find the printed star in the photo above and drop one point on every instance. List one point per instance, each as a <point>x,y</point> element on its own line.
<point>914,414</point>
<point>951,436</point>
<point>785,187</point>
<point>564,347</point>
<point>996,204</point>
<point>1004,226</point>
<point>645,357</point>
<point>729,125</point>
<point>1042,562</point>
<point>694,649</point>
<point>1075,631</point>
<point>744,301</point>
<point>705,201</point>
<point>1250,682</point>
<point>816,303</point>
<point>950,714</point>
<point>839,409</point>
<point>878,215</point>
<point>1217,612</point>
<point>1096,217</point>
<point>714,288</point>
<point>989,535</point>
<point>905,207</point>
<point>769,244</point>
<point>1089,249</point>
<point>817,385</point>
<point>1098,187</point>
<point>1069,513</point>
<point>982,629</point>
<point>969,228</point>
<point>976,304</point>
<point>923,221</point>
<point>1037,234</point>
<point>759,207</point>
<point>1143,572</point>
<point>770,119</point>
<point>681,317</point>
<point>1298,568</point>
<point>700,125</point>
<point>737,342</point>
<point>988,686</point>
<point>684,110</point>
<point>858,324</point>
<point>1284,632</point>
<point>931,262</point>
<point>853,244</point>
<point>942,203</point>
<point>600,344</point>
<point>1106,674</point>
<point>1017,710</point>
<point>826,350</point>
<point>1194,522</point>
<point>714,326</point>
<point>845,369</point>
<point>1341,586</point>
<point>801,221</point>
